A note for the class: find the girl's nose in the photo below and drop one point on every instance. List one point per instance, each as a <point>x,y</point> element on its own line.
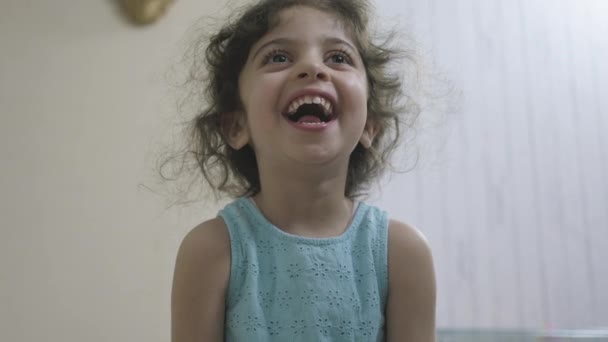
<point>313,71</point>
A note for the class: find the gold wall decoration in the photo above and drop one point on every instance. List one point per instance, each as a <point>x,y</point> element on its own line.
<point>144,12</point>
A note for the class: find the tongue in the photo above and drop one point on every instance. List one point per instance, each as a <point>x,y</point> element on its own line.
<point>309,118</point>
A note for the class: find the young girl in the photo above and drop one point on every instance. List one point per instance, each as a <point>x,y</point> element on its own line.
<point>302,116</point>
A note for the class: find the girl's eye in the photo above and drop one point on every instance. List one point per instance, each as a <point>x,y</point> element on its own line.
<point>276,57</point>
<point>340,57</point>
<point>279,59</point>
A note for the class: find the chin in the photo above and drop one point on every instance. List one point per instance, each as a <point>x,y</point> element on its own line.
<point>318,156</point>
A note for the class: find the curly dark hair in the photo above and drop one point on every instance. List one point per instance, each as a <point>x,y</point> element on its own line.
<point>235,172</point>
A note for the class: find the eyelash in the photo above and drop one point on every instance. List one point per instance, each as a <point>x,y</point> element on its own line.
<point>347,56</point>
<point>340,52</point>
<point>268,57</point>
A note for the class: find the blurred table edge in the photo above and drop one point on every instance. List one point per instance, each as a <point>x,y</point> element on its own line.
<point>601,333</point>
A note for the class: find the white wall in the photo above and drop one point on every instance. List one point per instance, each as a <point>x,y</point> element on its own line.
<point>515,204</point>
<point>85,253</point>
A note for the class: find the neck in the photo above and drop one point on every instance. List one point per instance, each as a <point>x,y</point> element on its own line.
<point>305,203</point>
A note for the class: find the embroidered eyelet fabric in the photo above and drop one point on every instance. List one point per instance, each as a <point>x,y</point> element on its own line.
<point>285,287</point>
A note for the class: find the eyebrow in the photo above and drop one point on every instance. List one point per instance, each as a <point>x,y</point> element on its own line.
<point>289,41</point>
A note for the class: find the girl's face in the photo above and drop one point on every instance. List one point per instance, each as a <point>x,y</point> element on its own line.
<point>304,92</point>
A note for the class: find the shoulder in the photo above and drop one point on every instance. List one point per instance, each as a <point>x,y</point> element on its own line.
<point>409,254</point>
<point>200,280</point>
<point>410,259</point>
<point>412,288</point>
<point>407,242</point>
<point>209,238</point>
<point>204,251</point>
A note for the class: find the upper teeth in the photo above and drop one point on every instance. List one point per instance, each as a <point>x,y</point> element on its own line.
<point>295,104</point>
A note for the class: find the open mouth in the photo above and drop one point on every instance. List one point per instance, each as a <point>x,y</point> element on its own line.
<point>310,113</point>
<point>310,110</point>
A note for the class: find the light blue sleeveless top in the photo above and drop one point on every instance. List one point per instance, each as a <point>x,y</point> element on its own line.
<point>285,287</point>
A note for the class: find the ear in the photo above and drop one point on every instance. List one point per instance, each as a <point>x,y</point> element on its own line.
<point>234,125</point>
<point>369,133</point>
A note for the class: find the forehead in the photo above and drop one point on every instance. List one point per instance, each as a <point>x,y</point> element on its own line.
<point>306,23</point>
<point>302,13</point>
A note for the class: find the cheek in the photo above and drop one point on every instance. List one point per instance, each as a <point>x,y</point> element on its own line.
<point>260,93</point>
<point>357,82</point>
<point>358,91</point>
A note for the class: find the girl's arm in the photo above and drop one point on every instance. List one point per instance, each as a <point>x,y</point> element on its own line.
<point>200,280</point>
<point>411,298</point>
